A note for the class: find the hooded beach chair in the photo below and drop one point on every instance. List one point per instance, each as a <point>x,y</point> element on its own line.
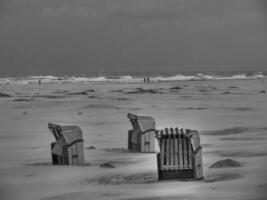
<point>68,148</point>
<point>142,137</point>
<point>180,155</point>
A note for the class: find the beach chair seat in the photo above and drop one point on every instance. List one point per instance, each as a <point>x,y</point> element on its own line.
<point>68,148</point>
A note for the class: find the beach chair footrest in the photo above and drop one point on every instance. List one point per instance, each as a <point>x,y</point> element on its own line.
<point>186,174</point>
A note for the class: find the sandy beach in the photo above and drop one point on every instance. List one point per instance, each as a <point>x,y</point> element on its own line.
<point>230,115</point>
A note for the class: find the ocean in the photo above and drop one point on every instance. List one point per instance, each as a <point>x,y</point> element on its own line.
<point>131,77</point>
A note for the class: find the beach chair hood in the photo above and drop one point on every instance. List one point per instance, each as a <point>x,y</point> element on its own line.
<point>142,122</point>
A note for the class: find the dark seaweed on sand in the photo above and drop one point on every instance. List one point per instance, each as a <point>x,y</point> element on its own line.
<point>92,97</point>
<point>203,90</point>
<point>4,95</point>
<point>226,92</point>
<point>22,100</point>
<point>117,91</point>
<point>193,108</point>
<point>78,93</point>
<point>233,87</point>
<point>143,91</point>
<point>242,109</point>
<point>89,90</point>
<point>175,88</point>
<point>120,99</point>
<point>60,91</point>
<point>48,96</point>
<point>107,165</point>
<point>89,148</point>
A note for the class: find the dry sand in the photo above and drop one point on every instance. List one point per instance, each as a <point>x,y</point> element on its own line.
<point>231,116</point>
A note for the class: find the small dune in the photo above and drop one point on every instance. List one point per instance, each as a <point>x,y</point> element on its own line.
<point>225,163</point>
<point>229,131</point>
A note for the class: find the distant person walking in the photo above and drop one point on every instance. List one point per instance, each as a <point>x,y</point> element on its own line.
<point>39,82</point>
<point>146,79</point>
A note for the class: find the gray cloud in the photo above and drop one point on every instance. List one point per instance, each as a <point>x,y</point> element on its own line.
<point>3,7</point>
<point>64,35</point>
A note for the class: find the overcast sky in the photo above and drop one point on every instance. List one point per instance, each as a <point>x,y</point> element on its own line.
<point>66,36</point>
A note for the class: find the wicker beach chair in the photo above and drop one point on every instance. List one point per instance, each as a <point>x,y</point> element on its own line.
<point>68,148</point>
<point>180,154</point>
<point>142,137</point>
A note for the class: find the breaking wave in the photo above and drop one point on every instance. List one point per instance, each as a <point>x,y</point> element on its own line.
<point>126,79</point>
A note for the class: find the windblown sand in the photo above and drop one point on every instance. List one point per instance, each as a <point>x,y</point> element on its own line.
<point>231,116</point>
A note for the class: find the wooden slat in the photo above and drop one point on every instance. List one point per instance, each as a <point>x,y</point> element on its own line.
<point>176,154</point>
<point>180,146</point>
<point>190,152</point>
<point>167,149</point>
<point>162,149</point>
<point>185,150</point>
<point>171,149</point>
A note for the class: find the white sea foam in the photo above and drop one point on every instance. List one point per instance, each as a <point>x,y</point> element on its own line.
<point>126,79</point>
